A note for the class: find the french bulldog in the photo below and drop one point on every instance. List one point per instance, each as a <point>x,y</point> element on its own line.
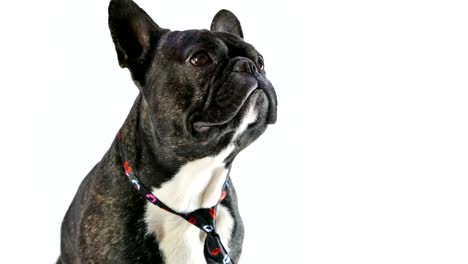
<point>203,97</point>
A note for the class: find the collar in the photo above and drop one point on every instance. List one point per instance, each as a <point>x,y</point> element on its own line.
<point>203,218</point>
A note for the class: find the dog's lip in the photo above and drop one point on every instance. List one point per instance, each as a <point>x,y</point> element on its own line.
<point>202,126</point>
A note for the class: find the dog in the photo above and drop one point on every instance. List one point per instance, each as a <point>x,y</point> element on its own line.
<point>203,97</point>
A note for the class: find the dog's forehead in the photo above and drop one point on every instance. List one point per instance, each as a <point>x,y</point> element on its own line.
<point>203,39</point>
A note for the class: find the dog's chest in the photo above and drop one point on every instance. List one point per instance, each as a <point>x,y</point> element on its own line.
<point>198,184</point>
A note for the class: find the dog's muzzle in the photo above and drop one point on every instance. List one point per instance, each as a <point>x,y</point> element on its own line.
<point>229,98</point>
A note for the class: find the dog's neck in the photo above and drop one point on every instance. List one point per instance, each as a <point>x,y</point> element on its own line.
<point>183,185</point>
<point>197,184</point>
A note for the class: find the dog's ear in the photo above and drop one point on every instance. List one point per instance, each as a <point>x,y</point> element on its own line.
<point>134,34</point>
<point>226,21</point>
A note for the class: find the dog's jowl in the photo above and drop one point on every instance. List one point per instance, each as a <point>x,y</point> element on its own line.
<point>162,193</point>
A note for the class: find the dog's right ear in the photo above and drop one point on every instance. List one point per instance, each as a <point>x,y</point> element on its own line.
<point>134,34</point>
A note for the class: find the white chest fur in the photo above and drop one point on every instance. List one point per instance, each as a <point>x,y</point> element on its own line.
<point>198,184</point>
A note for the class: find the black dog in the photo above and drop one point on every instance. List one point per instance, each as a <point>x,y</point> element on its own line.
<point>203,98</point>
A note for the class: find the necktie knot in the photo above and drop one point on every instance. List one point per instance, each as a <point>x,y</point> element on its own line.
<point>203,218</point>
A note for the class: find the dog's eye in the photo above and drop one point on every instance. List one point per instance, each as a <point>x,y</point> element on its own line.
<point>200,58</point>
<point>260,63</point>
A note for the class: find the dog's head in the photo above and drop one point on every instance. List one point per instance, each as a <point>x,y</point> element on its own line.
<point>202,89</point>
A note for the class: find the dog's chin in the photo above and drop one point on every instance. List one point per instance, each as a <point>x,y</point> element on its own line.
<point>252,114</point>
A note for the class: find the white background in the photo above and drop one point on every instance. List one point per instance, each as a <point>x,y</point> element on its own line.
<point>368,160</point>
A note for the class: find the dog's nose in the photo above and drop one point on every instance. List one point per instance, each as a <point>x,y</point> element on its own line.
<point>245,65</point>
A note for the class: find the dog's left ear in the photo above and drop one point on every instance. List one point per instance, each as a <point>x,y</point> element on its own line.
<point>134,34</point>
<point>226,21</point>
